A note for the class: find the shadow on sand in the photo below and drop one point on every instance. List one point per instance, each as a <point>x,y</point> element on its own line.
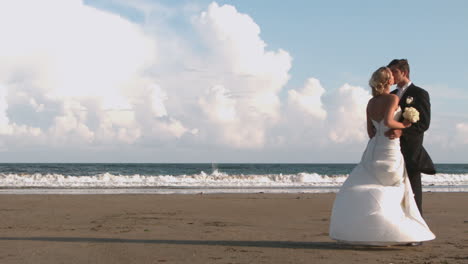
<point>232,243</point>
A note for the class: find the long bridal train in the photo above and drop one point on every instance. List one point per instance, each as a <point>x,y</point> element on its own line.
<point>375,205</point>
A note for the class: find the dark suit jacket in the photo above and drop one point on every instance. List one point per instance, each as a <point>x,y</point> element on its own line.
<point>411,141</point>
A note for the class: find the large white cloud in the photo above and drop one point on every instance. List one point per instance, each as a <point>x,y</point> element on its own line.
<point>74,74</point>
<point>218,105</point>
<point>309,99</point>
<point>242,99</point>
<point>321,117</point>
<point>79,51</point>
<point>346,109</point>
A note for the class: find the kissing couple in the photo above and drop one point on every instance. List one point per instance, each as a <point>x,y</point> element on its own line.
<point>380,203</point>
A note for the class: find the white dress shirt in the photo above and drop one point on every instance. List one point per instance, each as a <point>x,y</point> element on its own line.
<point>402,90</point>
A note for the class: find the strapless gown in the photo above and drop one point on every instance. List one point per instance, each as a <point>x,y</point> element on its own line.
<point>375,205</point>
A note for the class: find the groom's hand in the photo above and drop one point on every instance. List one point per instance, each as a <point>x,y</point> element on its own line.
<point>393,133</point>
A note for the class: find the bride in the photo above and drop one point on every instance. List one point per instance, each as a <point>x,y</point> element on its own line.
<point>375,205</point>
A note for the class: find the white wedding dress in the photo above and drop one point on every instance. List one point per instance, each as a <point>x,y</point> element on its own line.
<point>375,205</point>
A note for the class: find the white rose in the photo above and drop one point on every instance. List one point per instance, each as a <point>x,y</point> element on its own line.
<point>409,100</point>
<point>411,114</point>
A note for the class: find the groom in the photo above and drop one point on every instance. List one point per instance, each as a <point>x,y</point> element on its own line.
<point>411,139</point>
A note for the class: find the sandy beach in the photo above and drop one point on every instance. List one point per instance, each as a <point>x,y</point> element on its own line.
<point>214,228</point>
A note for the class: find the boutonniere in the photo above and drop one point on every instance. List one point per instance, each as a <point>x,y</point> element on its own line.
<point>409,100</point>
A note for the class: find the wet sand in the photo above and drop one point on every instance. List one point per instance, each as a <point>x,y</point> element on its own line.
<point>214,228</point>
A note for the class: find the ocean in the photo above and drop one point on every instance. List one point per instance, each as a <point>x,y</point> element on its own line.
<point>186,178</point>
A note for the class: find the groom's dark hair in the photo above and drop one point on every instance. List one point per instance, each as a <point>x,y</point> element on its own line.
<point>401,64</point>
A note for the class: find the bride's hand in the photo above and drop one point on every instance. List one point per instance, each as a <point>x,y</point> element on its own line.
<point>406,123</point>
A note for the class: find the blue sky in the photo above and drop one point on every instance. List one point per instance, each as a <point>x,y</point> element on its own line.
<point>220,81</point>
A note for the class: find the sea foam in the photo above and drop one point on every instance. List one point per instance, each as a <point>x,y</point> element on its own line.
<point>216,179</point>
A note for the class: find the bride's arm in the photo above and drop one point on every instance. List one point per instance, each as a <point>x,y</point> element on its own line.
<point>370,126</point>
<point>389,120</point>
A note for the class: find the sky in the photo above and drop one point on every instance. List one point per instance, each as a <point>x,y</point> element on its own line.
<point>220,81</point>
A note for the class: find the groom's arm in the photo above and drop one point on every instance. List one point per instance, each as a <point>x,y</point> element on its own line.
<point>393,133</point>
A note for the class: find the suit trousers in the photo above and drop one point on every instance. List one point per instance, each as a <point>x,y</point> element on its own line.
<point>416,186</point>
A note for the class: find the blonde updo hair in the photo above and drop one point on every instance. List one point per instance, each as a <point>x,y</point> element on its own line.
<point>379,80</point>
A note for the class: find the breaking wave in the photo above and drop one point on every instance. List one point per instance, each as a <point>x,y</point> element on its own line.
<point>216,179</point>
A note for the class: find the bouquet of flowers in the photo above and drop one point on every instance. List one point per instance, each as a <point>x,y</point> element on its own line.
<point>411,114</point>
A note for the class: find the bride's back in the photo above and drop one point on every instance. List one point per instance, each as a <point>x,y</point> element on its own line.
<point>378,107</point>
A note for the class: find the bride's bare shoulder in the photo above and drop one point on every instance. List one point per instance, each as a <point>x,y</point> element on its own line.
<point>384,97</point>
<point>391,97</point>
